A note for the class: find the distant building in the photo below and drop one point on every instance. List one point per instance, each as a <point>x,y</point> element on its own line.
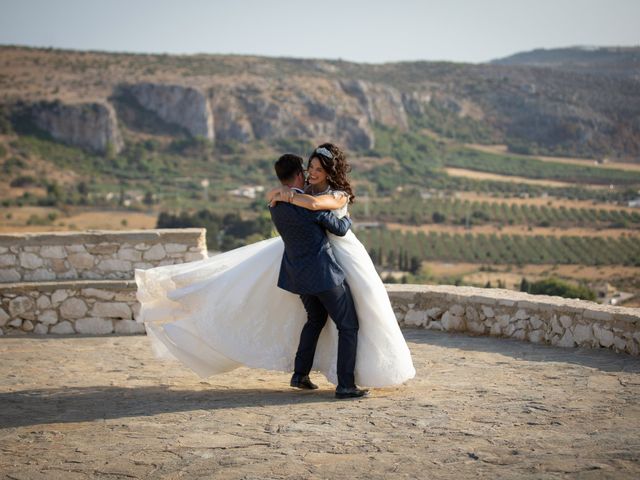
<point>366,225</point>
<point>635,203</point>
<point>247,191</point>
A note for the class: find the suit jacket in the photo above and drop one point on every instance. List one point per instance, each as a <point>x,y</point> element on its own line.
<point>308,264</point>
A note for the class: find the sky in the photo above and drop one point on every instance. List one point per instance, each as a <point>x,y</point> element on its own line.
<point>371,31</point>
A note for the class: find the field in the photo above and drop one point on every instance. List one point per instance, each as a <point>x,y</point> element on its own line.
<point>413,208</point>
<point>532,167</point>
<point>513,230</point>
<point>479,175</point>
<point>393,248</point>
<point>510,276</point>
<point>39,219</point>
<point>503,149</point>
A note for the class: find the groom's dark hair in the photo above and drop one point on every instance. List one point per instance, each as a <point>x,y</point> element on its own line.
<point>288,166</point>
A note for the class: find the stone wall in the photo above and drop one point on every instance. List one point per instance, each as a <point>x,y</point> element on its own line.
<point>85,307</point>
<point>535,318</point>
<point>82,282</point>
<point>95,254</point>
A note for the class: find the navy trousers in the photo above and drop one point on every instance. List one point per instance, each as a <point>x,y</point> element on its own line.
<point>337,303</point>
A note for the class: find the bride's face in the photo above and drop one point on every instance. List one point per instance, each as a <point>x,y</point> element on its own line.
<point>317,174</point>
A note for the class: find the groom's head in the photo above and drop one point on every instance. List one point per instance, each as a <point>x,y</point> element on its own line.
<point>290,171</point>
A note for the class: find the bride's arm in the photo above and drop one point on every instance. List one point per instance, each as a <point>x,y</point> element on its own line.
<point>321,202</point>
<point>278,194</point>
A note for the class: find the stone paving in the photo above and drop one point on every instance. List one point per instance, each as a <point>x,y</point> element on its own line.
<point>480,407</point>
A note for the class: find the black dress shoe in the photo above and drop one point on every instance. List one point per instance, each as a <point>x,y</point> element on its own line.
<point>302,381</point>
<point>353,392</point>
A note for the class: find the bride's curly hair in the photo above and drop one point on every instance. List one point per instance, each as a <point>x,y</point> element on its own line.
<point>336,168</point>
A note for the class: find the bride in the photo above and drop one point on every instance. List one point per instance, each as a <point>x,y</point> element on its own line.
<point>223,312</point>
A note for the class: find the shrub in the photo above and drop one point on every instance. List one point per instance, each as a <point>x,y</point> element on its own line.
<point>560,288</point>
<point>299,146</point>
<point>438,217</point>
<point>23,181</point>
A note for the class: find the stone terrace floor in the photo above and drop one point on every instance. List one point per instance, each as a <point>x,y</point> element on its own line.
<point>480,407</point>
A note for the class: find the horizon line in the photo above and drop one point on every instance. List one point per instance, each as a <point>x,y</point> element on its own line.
<point>327,59</point>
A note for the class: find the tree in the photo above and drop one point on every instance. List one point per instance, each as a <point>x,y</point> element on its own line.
<point>391,259</point>
<point>438,217</point>
<point>148,198</point>
<point>83,191</point>
<point>110,151</point>
<point>55,194</point>
<point>415,265</point>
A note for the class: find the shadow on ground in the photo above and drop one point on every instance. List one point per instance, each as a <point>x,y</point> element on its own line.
<point>84,404</point>
<point>597,358</point>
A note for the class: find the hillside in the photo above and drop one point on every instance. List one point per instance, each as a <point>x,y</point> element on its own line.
<point>101,101</point>
<point>609,61</point>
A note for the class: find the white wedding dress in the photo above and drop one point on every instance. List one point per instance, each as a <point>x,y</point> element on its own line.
<point>226,311</point>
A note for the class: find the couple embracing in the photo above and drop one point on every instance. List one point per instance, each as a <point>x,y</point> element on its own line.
<point>243,307</point>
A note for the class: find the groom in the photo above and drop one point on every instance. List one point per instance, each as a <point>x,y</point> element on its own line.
<point>310,270</point>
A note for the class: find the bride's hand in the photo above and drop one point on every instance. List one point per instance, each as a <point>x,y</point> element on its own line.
<point>285,193</point>
<point>280,194</point>
<point>273,196</point>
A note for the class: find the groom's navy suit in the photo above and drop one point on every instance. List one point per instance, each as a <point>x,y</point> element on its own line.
<point>310,270</point>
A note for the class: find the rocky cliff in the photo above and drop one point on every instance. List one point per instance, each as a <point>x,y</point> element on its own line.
<point>315,109</point>
<point>183,106</point>
<point>259,109</point>
<point>91,126</point>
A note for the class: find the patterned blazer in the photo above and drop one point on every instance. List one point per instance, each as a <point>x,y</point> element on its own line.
<point>308,264</point>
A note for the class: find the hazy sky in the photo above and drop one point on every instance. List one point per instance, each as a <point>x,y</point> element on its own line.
<point>357,30</point>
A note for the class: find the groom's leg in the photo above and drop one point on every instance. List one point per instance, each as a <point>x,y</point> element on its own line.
<point>339,303</point>
<point>316,318</point>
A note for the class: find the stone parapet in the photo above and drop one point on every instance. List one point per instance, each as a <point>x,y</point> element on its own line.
<point>85,307</point>
<point>95,254</point>
<point>110,306</point>
<point>535,318</point>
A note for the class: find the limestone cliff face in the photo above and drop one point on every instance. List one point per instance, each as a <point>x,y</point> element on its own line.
<point>380,103</point>
<point>252,108</point>
<point>181,105</point>
<point>90,126</point>
<point>315,109</point>
<point>306,108</point>
<point>414,102</point>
